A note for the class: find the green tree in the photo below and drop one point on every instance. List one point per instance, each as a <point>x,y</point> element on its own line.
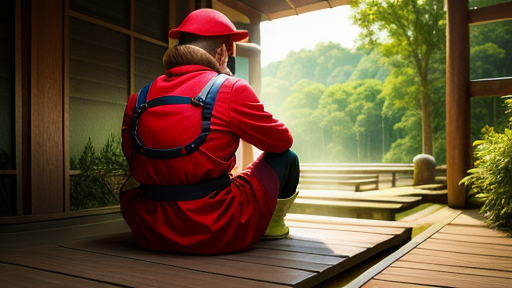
<point>274,93</point>
<point>330,56</point>
<point>302,120</point>
<point>371,66</point>
<point>340,75</point>
<point>297,66</point>
<point>410,32</point>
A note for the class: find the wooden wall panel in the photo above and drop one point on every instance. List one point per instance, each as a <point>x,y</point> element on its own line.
<point>46,115</point>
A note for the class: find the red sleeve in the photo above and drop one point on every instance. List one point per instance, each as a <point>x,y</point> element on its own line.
<point>126,130</point>
<point>253,124</point>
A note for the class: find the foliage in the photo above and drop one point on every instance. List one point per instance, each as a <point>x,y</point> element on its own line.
<point>490,179</point>
<point>371,66</point>
<point>407,33</point>
<point>101,175</point>
<point>316,65</point>
<point>274,93</point>
<point>388,128</point>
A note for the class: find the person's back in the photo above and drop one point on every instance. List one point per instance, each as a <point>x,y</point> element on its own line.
<point>188,202</point>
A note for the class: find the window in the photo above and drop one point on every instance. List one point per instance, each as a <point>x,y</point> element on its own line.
<point>106,64</point>
<point>7,97</point>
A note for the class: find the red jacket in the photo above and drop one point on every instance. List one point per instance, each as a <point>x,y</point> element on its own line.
<point>237,217</point>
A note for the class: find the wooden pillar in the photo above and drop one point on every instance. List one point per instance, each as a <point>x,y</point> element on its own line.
<point>46,107</point>
<point>458,136</point>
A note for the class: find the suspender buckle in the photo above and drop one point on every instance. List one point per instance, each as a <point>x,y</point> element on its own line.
<point>198,101</point>
<point>143,107</point>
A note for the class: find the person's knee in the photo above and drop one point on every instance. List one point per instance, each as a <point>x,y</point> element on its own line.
<point>287,157</point>
<point>283,163</point>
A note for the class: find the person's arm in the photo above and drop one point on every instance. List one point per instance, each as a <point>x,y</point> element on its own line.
<point>126,129</point>
<point>253,124</point>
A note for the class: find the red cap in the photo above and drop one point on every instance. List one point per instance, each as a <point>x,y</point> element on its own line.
<point>208,22</point>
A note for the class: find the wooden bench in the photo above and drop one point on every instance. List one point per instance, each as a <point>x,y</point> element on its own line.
<point>309,179</point>
<point>352,205</point>
<point>392,169</point>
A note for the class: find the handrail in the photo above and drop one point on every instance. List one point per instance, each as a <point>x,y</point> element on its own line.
<point>492,13</point>
<point>490,87</point>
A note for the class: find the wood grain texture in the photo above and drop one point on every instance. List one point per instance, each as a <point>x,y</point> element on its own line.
<point>21,277</point>
<point>124,247</point>
<point>472,231</point>
<point>460,260</point>
<point>467,247</point>
<point>458,136</point>
<point>103,250</point>
<point>388,284</point>
<point>118,270</point>
<point>454,269</point>
<point>441,278</point>
<point>46,102</point>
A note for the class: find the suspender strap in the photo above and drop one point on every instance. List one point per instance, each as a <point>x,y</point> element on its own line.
<point>206,98</point>
<point>168,193</point>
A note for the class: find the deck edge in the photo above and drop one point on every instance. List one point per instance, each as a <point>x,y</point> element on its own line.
<point>416,241</point>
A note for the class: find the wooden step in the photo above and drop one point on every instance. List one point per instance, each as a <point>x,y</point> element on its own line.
<point>351,209</point>
<point>411,201</point>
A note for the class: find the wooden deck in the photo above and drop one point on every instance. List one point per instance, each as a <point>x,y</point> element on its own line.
<point>458,252</point>
<point>99,251</point>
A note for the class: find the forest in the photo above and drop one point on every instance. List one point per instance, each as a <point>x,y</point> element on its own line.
<point>384,101</point>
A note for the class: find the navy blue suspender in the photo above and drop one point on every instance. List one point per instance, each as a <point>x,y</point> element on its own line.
<point>206,98</point>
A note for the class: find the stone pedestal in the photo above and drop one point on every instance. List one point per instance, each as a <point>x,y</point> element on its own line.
<point>424,169</point>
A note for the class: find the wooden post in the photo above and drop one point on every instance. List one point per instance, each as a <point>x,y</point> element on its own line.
<point>46,107</point>
<point>458,136</point>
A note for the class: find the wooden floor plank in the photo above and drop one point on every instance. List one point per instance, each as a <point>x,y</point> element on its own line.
<point>350,196</point>
<point>357,239</point>
<point>472,231</point>
<point>312,247</point>
<point>353,228</point>
<point>440,278</point>
<point>329,220</point>
<point>119,271</point>
<point>469,217</point>
<point>453,269</point>
<point>467,247</point>
<point>303,261</point>
<point>21,277</point>
<point>460,260</point>
<point>391,284</point>
<point>124,246</point>
<point>475,239</point>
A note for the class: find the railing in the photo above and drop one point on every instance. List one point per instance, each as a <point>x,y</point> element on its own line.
<point>361,169</point>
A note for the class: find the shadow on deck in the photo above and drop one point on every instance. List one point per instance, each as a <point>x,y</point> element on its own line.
<point>99,251</point>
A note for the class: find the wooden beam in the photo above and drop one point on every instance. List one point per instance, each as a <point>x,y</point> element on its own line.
<point>458,134</point>
<point>46,107</point>
<point>491,13</point>
<point>18,104</point>
<point>491,87</point>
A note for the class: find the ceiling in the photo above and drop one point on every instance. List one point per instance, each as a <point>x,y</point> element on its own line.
<point>274,9</point>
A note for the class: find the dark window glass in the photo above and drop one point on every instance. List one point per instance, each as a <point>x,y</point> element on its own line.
<point>7,98</point>
<point>98,89</point>
<point>152,18</point>
<point>113,11</point>
<point>148,62</point>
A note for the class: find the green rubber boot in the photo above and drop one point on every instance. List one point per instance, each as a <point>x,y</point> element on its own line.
<point>276,228</point>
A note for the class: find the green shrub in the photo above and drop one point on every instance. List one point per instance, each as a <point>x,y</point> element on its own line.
<point>101,175</point>
<point>490,181</point>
